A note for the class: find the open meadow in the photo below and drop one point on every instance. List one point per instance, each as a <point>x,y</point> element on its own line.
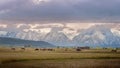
<point>58,58</point>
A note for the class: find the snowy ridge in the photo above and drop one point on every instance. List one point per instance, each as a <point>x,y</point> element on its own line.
<point>98,35</point>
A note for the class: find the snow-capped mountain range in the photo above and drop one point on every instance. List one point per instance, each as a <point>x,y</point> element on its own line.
<point>97,35</point>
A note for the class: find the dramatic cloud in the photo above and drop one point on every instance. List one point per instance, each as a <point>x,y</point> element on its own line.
<point>40,11</point>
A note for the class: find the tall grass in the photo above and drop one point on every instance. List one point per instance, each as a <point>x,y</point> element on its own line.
<point>7,55</point>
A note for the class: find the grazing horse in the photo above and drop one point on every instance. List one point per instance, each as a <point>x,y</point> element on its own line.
<point>44,49</point>
<point>78,49</point>
<point>50,49</point>
<point>13,49</point>
<point>36,49</point>
<point>22,48</point>
<point>113,50</point>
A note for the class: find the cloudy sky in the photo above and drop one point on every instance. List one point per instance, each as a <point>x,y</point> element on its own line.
<point>75,14</point>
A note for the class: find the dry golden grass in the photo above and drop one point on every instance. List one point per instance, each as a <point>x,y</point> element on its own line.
<point>80,63</point>
<point>59,57</point>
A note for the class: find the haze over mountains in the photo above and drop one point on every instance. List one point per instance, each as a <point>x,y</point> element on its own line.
<point>105,35</point>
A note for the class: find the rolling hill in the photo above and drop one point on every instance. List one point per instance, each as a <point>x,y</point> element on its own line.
<point>20,42</point>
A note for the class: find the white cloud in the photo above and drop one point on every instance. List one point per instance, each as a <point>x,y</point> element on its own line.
<point>78,26</point>
<point>19,25</point>
<point>3,25</point>
<point>33,25</point>
<point>37,2</point>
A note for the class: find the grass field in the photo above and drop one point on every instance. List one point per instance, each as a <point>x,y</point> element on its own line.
<point>93,58</point>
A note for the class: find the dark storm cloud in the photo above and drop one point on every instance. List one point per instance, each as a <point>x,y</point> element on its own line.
<point>60,10</point>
